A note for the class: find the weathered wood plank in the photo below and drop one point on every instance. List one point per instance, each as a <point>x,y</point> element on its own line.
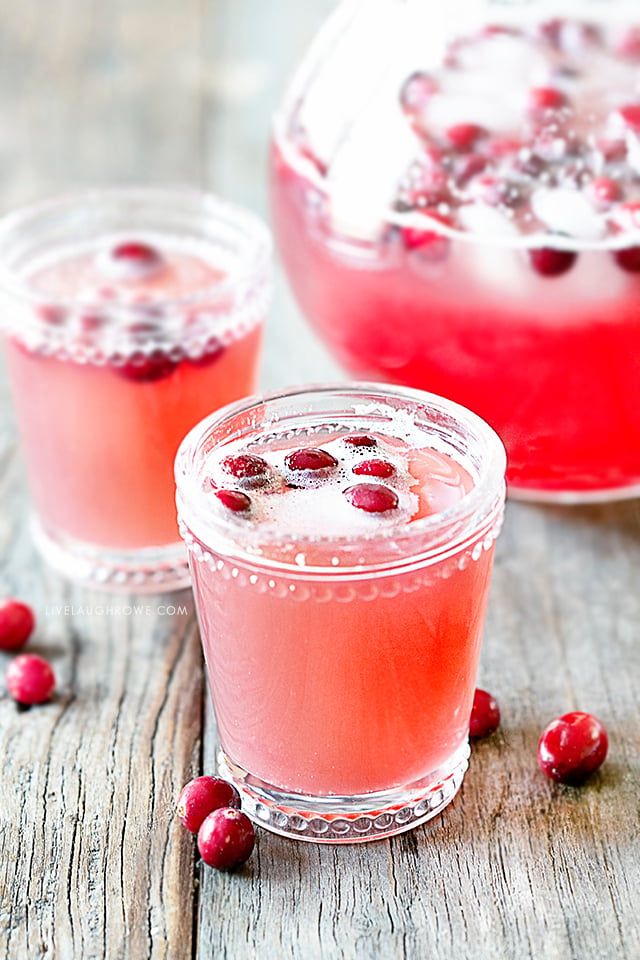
<point>516,867</point>
<point>92,863</point>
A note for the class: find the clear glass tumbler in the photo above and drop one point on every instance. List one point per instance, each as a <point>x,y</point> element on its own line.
<point>128,315</point>
<point>342,645</point>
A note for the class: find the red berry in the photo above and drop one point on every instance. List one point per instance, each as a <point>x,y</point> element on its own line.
<point>469,167</point>
<point>226,839</point>
<point>572,747</point>
<point>202,796</point>
<point>546,98</point>
<point>628,259</point>
<point>372,497</point>
<point>246,466</point>
<point>552,263</point>
<point>134,260</point>
<point>604,191</point>
<point>234,500</point>
<point>16,624</point>
<point>463,136</point>
<point>374,468</point>
<point>630,114</point>
<point>485,715</point>
<point>360,440</point>
<point>416,93</point>
<point>310,458</point>
<point>147,368</point>
<point>51,315</point>
<point>30,679</point>
<point>433,246</point>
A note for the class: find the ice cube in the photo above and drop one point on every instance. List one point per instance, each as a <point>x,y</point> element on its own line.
<point>569,212</point>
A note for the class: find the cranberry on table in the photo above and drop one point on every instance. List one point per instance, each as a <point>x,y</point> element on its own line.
<point>311,458</point>
<point>30,680</point>
<point>226,838</point>
<point>234,500</point>
<point>485,715</point>
<point>372,497</point>
<point>246,466</point>
<point>374,468</point>
<point>16,624</point>
<point>552,263</point>
<point>572,747</point>
<point>202,796</point>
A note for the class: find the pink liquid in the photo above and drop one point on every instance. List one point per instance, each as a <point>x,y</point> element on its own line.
<point>100,439</point>
<point>326,687</point>
<point>550,359</point>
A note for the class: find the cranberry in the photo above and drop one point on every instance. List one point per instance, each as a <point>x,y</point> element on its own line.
<point>572,747</point>
<point>546,98</point>
<point>604,191</point>
<point>202,796</point>
<point>374,468</point>
<point>468,167</point>
<point>416,93</point>
<point>613,151</point>
<point>464,136</point>
<point>16,624</point>
<point>630,114</point>
<point>433,246</point>
<point>51,315</point>
<point>372,497</point>
<point>485,715</point>
<point>361,440</point>
<point>135,260</point>
<point>246,466</point>
<point>30,679</point>
<point>310,458</point>
<point>147,368</point>
<point>234,500</point>
<point>226,839</point>
<point>629,259</point>
<point>552,263</point>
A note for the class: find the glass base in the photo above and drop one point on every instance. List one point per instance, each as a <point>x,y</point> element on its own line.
<point>334,819</point>
<point>150,570</point>
<point>573,497</point>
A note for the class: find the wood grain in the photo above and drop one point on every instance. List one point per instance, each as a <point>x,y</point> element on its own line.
<point>91,862</point>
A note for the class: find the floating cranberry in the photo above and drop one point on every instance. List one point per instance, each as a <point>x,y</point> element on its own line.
<point>234,500</point>
<point>546,98</point>
<point>30,680</point>
<point>202,796</point>
<point>613,151</point>
<point>134,260</point>
<point>226,839</point>
<point>464,136</point>
<point>361,440</point>
<point>246,466</point>
<point>372,497</point>
<point>466,168</point>
<point>629,259</point>
<point>604,191</point>
<point>485,715</point>
<point>572,747</point>
<point>552,263</point>
<point>311,458</point>
<point>630,114</point>
<point>52,315</point>
<point>416,93</point>
<point>16,624</point>
<point>147,368</point>
<point>374,468</point>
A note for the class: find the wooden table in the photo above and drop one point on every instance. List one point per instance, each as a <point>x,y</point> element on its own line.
<point>92,863</point>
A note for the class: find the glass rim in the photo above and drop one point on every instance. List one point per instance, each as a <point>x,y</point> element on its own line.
<point>488,492</point>
<point>256,258</point>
